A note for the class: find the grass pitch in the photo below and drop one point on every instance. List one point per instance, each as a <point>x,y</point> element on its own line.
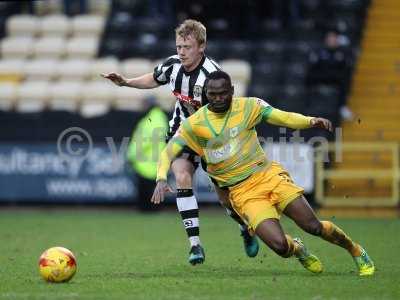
<point>127,255</point>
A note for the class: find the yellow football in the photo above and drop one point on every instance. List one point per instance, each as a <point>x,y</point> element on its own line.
<point>57,264</point>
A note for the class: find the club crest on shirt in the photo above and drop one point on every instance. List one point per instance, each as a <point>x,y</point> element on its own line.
<point>219,154</point>
<point>234,132</point>
<point>197,90</point>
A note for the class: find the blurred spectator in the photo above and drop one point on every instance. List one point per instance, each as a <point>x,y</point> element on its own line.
<point>148,139</point>
<point>331,65</point>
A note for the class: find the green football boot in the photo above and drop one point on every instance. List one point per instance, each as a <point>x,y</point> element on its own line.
<point>196,255</point>
<point>250,243</point>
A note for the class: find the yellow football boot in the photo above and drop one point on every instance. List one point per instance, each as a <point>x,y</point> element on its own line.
<point>308,260</point>
<point>364,263</point>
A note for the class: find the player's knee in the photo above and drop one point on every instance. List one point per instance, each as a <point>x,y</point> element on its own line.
<point>280,246</point>
<point>183,178</point>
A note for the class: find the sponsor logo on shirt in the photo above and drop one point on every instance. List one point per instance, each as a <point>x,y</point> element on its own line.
<point>186,99</point>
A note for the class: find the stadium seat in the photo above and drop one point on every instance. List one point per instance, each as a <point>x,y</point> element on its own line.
<point>303,27</point>
<point>144,46</point>
<point>129,99</point>
<point>271,29</point>
<point>49,47</point>
<point>165,98</point>
<point>166,48</point>
<point>295,73</point>
<point>82,47</point>
<point>267,72</point>
<point>239,70</point>
<point>16,47</point>
<point>311,8</point>
<point>121,24</point>
<point>240,89</point>
<point>136,66</point>
<point>99,7</point>
<point>269,50</point>
<point>65,95</point>
<point>267,92</point>
<point>55,25</point>
<point>96,98</point>
<point>219,29</point>
<point>347,6</point>
<point>74,69</point>
<point>152,26</point>
<point>12,70</point>
<point>8,95</point>
<point>103,65</point>
<point>87,25</point>
<point>22,25</point>
<point>297,51</point>
<point>112,46</point>
<point>236,49</point>
<point>32,96</point>
<point>48,7</point>
<point>41,69</point>
<point>292,98</point>
<point>214,50</point>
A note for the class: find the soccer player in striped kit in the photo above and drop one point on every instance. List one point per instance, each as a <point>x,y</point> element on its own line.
<point>186,73</point>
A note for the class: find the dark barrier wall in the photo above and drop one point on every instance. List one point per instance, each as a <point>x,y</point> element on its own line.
<point>40,173</point>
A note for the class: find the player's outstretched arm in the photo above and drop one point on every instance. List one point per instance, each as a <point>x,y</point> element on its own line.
<point>145,81</point>
<point>171,151</point>
<point>297,121</point>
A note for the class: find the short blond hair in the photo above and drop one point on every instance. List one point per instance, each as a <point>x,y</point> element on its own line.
<point>194,28</point>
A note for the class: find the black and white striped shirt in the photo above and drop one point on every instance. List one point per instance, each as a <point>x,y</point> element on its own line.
<point>186,86</point>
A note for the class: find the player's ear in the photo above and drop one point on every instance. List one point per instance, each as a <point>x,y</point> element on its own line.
<point>202,47</point>
<point>232,90</point>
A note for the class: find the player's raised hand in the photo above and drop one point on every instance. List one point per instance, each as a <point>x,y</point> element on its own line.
<point>321,123</point>
<point>115,78</point>
<point>161,188</point>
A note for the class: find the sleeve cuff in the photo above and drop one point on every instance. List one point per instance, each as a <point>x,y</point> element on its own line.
<point>158,81</point>
<point>266,112</point>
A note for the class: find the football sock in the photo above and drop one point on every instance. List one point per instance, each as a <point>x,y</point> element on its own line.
<point>333,234</point>
<point>293,248</point>
<point>187,206</point>
<point>237,219</point>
